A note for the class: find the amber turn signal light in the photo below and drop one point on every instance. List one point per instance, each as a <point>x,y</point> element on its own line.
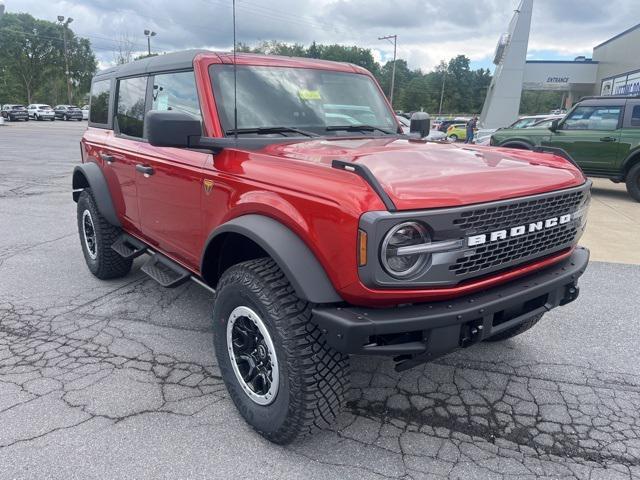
<point>362,248</point>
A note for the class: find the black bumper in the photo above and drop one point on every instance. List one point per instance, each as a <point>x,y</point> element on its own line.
<point>426,331</point>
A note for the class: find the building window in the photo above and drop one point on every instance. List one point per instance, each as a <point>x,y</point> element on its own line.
<point>131,106</point>
<point>593,118</point>
<point>176,92</point>
<point>99,110</point>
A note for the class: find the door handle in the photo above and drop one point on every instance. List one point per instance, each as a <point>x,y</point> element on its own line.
<point>144,169</point>
<point>608,139</point>
<point>107,158</point>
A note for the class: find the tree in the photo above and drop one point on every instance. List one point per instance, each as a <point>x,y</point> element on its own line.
<point>32,59</point>
<point>124,49</point>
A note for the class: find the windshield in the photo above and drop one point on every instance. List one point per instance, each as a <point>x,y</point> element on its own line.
<point>301,98</point>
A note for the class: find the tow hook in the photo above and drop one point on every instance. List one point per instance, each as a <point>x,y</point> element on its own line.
<point>471,333</point>
<point>571,292</point>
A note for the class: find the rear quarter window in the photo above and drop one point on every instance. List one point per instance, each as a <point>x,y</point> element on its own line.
<point>635,116</point>
<point>100,92</point>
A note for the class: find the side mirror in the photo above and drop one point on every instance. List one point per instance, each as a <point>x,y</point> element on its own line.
<point>166,128</point>
<point>420,124</point>
<point>554,125</point>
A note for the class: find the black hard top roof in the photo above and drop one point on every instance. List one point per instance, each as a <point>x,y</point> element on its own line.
<point>611,99</point>
<point>168,61</point>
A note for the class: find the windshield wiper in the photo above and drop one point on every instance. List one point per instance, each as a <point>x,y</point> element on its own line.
<point>267,130</point>
<point>359,128</point>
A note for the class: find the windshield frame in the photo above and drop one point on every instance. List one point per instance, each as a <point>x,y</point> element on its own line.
<point>384,109</point>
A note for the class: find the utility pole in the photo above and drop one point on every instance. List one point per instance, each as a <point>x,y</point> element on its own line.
<point>65,26</point>
<point>444,77</point>
<point>149,34</point>
<point>393,70</point>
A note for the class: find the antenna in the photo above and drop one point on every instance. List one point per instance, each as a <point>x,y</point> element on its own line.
<point>235,78</point>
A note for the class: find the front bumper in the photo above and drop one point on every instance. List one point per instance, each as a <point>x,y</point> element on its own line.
<point>423,332</point>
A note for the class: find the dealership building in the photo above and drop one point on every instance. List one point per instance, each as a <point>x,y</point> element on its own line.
<point>613,69</point>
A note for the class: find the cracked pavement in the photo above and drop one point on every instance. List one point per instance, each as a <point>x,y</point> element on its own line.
<point>118,379</point>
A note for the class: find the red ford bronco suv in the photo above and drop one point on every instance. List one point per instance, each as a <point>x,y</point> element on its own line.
<point>284,186</point>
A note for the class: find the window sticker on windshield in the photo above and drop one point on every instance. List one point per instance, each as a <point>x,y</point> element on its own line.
<point>309,95</point>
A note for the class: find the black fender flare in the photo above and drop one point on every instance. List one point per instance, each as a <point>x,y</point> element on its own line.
<point>632,159</point>
<point>90,175</point>
<point>286,248</point>
<point>523,145</point>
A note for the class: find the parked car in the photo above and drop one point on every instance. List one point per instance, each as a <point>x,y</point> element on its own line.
<point>320,240</point>
<point>457,131</point>
<point>68,112</point>
<point>85,112</point>
<point>434,135</point>
<point>483,135</point>
<point>14,112</point>
<point>41,111</point>
<point>601,134</point>
<point>444,124</point>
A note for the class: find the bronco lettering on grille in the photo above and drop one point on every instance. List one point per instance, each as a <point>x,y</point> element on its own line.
<point>518,231</point>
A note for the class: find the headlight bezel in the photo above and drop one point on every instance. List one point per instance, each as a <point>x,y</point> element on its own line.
<point>422,258</point>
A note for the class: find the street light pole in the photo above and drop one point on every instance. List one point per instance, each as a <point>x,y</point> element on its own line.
<point>65,26</point>
<point>393,70</point>
<point>444,77</point>
<point>149,34</point>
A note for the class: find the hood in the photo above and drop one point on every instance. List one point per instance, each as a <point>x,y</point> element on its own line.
<point>419,175</point>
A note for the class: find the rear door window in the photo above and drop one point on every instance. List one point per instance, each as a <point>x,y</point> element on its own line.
<point>131,106</point>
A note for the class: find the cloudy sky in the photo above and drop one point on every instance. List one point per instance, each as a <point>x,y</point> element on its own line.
<point>427,30</point>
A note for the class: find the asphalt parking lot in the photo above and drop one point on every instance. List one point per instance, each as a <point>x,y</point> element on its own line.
<point>118,379</point>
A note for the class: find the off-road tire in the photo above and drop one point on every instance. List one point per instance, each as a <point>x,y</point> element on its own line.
<point>515,331</point>
<point>633,182</point>
<point>107,263</point>
<point>313,378</point>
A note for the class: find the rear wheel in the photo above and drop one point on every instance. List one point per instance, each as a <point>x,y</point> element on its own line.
<point>633,182</point>
<point>96,237</point>
<point>282,376</point>
<point>515,331</point>
<point>453,138</point>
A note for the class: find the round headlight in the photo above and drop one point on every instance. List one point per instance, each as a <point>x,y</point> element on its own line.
<point>404,235</point>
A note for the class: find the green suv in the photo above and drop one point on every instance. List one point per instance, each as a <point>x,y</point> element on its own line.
<point>602,134</point>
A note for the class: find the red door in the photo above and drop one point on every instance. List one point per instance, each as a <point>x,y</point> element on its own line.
<point>169,185</point>
<point>117,157</point>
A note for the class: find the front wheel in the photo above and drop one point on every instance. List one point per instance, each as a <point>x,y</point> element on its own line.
<point>96,237</point>
<point>282,376</point>
<point>453,138</point>
<point>633,182</point>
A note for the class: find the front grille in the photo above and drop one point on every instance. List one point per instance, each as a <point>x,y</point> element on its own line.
<point>511,250</point>
<point>511,215</point>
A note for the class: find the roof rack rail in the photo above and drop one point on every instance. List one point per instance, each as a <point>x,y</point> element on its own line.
<point>610,97</point>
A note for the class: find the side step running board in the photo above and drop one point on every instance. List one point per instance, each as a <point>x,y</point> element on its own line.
<point>164,271</point>
<point>128,247</point>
